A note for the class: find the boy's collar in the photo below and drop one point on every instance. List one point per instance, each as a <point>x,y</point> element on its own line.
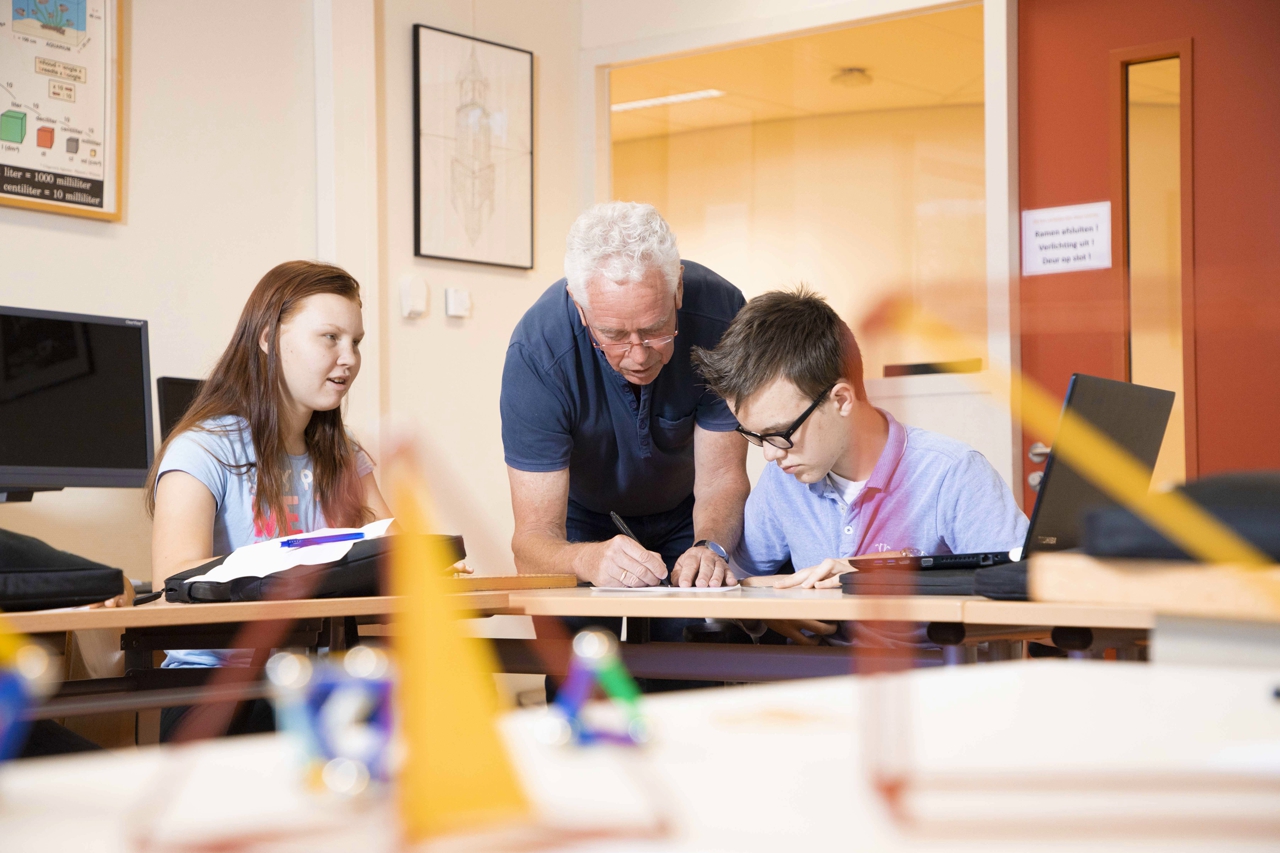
<point>894,447</point>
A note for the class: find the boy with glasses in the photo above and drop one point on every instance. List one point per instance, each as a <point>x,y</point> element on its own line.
<point>844,478</point>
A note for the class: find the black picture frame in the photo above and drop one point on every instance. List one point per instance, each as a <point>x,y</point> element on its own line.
<point>478,174</point>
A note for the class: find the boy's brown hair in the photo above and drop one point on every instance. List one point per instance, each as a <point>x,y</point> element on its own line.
<point>791,334</point>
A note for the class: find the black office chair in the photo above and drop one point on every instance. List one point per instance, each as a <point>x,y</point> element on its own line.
<point>175,397</point>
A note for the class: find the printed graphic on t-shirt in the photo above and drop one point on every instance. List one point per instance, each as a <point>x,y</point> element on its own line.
<point>271,528</point>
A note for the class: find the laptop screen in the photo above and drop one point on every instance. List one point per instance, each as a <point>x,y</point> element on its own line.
<point>1134,417</point>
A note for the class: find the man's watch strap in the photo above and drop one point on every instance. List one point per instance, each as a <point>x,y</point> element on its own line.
<point>714,547</point>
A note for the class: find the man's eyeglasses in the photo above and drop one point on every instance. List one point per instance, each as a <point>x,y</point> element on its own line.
<point>624,347</point>
<point>782,440</point>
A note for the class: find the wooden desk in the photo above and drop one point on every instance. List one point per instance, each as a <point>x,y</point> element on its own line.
<point>984,611</point>
<point>327,622</point>
<point>956,623</point>
<point>484,595</point>
<point>1013,724</point>
<point>746,603</point>
<point>162,614</point>
<point>768,603</point>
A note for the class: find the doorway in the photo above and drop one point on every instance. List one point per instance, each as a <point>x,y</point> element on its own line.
<point>850,160</point>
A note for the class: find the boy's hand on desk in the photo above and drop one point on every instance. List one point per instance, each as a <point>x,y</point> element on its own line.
<point>700,566</point>
<point>461,568</point>
<point>825,575</point>
<point>792,629</point>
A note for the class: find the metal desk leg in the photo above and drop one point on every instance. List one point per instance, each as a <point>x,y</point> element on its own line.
<point>146,726</point>
<point>637,629</point>
<point>1002,650</point>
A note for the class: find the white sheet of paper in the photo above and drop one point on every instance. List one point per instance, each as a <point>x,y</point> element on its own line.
<point>266,558</point>
<point>660,590</point>
<point>1065,239</point>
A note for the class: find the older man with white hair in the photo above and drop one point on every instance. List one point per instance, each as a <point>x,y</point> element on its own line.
<point>602,412</point>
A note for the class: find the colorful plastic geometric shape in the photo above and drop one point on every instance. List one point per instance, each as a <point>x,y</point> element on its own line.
<point>340,712</point>
<point>596,662</point>
<point>24,682</point>
<point>457,774</point>
<point>44,137</point>
<point>13,126</point>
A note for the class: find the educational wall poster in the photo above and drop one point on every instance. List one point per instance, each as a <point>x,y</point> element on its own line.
<point>1065,239</point>
<point>473,149</point>
<point>60,88</point>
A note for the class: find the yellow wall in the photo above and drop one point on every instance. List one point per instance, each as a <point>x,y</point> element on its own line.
<point>856,205</point>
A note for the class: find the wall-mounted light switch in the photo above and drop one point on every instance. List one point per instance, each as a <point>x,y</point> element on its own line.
<point>457,302</point>
<point>413,297</point>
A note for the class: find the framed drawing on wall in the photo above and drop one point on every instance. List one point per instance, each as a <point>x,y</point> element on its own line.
<point>61,90</point>
<point>473,149</point>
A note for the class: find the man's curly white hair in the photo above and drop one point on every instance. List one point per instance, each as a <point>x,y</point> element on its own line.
<point>621,241</point>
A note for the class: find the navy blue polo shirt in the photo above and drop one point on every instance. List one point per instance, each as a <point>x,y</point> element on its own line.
<point>563,406</point>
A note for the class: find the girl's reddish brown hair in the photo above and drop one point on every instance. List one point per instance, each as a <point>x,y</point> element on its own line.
<point>249,383</point>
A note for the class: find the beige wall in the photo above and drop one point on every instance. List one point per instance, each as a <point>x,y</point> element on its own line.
<point>857,205</point>
<point>221,176</point>
<point>442,376</point>
<point>223,184</point>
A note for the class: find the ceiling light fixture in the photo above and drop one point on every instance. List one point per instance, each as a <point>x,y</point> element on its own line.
<point>851,77</point>
<point>700,95</point>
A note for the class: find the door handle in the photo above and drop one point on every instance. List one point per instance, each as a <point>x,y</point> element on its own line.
<point>1033,480</point>
<point>1038,452</point>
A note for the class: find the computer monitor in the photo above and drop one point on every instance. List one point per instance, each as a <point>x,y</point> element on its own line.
<point>75,401</point>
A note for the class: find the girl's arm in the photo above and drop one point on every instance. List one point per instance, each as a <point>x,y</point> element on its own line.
<point>182,531</point>
<point>373,498</point>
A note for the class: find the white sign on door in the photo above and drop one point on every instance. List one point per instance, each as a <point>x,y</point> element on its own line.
<point>1065,239</point>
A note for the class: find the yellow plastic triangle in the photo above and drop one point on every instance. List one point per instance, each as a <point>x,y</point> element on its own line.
<point>457,774</point>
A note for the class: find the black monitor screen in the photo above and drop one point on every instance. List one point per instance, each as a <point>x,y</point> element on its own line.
<point>73,395</point>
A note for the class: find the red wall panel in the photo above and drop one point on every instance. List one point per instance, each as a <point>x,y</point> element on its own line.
<point>1075,322</point>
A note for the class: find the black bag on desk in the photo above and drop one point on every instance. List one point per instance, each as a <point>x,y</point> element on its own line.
<point>1003,583</point>
<point>1247,502</point>
<point>34,575</point>
<point>355,575</point>
<point>907,582</point>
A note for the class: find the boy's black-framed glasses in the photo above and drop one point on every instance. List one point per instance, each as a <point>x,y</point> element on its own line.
<point>782,440</point>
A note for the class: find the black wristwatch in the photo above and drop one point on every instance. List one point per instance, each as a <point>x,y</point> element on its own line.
<point>714,547</point>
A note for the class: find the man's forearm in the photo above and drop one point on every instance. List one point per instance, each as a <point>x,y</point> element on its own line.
<point>546,554</point>
<point>718,515</point>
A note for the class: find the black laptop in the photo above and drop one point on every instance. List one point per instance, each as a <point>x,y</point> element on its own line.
<point>1133,416</point>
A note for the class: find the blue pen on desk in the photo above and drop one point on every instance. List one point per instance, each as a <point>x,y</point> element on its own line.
<point>321,540</point>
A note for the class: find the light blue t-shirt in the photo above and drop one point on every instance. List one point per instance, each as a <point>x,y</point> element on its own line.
<point>927,492</point>
<point>220,455</point>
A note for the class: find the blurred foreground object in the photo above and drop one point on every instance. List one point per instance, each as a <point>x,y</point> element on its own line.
<point>26,678</point>
<point>457,774</point>
<point>595,662</point>
<point>339,711</point>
